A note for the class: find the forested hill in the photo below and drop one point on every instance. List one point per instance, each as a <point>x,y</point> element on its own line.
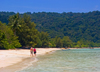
<point>75,25</point>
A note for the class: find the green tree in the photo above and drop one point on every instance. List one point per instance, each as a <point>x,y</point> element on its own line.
<point>28,34</point>
<point>52,42</point>
<point>14,22</point>
<point>7,38</point>
<point>58,42</point>
<point>44,39</point>
<point>67,42</point>
<point>3,41</point>
<point>82,43</point>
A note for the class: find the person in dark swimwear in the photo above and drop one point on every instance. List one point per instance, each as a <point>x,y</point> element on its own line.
<point>31,51</point>
<point>34,51</point>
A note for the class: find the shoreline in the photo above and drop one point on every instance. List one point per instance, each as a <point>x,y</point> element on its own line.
<point>18,59</point>
<point>12,60</point>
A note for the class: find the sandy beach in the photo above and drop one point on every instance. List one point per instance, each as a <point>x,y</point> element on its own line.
<point>11,58</point>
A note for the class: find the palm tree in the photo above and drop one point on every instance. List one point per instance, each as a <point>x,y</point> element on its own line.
<point>14,23</point>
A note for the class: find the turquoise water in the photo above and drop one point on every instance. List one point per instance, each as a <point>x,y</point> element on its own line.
<point>76,60</point>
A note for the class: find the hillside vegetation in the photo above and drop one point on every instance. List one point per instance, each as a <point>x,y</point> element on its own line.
<point>82,28</point>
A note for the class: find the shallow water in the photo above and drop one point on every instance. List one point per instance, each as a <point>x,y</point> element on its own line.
<point>76,60</point>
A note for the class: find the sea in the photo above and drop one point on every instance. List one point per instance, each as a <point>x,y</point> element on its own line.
<point>67,60</point>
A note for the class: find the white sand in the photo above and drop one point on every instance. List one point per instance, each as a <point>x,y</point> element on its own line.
<point>11,57</point>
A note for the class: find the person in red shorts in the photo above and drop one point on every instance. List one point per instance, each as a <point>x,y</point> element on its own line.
<point>34,51</point>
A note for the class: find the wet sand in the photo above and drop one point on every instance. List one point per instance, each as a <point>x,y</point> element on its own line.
<point>13,60</point>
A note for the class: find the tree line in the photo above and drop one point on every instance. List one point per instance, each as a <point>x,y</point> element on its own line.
<point>22,31</point>
<point>76,26</point>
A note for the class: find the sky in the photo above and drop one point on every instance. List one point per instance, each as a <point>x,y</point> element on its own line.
<point>58,6</point>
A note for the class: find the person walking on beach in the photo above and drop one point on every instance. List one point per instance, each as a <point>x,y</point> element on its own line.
<point>34,51</point>
<point>31,51</point>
